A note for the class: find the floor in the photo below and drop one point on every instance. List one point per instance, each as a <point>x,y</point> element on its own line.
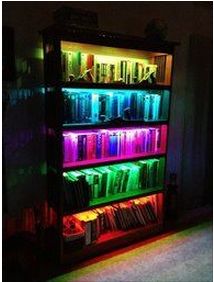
<point>184,256</point>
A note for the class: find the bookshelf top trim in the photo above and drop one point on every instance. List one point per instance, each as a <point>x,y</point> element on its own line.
<point>98,37</point>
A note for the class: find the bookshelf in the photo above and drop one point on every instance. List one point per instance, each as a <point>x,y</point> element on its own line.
<point>107,113</point>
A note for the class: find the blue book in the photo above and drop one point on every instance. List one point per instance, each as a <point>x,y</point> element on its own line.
<point>98,146</point>
<point>127,100</point>
<point>155,106</point>
<point>109,99</point>
<point>113,144</point>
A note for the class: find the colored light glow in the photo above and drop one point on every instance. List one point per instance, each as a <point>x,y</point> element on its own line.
<point>102,105</point>
<point>38,53</point>
<point>102,145</point>
<point>114,182</point>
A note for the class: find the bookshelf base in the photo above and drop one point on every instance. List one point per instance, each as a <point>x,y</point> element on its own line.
<point>108,242</point>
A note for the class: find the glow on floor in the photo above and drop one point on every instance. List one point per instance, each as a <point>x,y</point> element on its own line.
<point>187,253</point>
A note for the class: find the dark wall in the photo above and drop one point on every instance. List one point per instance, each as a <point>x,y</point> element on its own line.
<point>190,23</point>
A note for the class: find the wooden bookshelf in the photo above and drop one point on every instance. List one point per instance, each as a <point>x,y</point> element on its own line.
<point>112,46</point>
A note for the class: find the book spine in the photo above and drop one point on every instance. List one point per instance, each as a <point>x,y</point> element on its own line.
<point>113,144</point>
<point>104,73</point>
<point>70,64</point>
<point>80,148</point>
<point>98,145</point>
<point>95,108</point>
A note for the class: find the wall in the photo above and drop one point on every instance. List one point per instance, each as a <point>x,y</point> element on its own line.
<point>184,20</point>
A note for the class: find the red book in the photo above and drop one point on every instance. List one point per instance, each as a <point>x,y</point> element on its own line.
<point>91,147</point>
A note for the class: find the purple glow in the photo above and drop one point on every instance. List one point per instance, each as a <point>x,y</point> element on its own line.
<point>101,145</point>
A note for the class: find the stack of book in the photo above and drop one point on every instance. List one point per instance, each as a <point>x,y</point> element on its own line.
<point>80,66</point>
<point>123,142</point>
<point>83,186</point>
<point>122,216</point>
<point>96,106</point>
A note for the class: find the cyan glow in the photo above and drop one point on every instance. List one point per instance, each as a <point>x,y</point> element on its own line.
<point>93,106</point>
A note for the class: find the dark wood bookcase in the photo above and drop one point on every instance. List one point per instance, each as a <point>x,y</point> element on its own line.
<point>116,48</point>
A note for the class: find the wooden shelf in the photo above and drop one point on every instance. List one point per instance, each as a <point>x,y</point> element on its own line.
<point>117,199</point>
<point>115,86</point>
<point>101,162</point>
<point>114,124</point>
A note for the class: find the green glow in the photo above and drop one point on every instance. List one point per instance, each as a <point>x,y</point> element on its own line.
<point>38,53</point>
<point>120,181</point>
<point>122,196</point>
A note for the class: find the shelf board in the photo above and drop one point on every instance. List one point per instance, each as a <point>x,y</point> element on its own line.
<point>114,124</point>
<point>116,86</point>
<point>108,161</point>
<point>101,202</point>
<point>111,241</point>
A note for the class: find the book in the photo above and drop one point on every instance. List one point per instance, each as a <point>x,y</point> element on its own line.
<point>95,108</point>
<point>117,178</point>
<point>103,185</point>
<point>67,149</point>
<point>153,173</point>
<point>111,73</point>
<point>80,145</point>
<point>113,141</point>
<point>76,59</point>
<point>146,104</point>
<point>91,146</point>
<point>143,174</point>
<point>160,61</point>
<point>98,145</point>
<point>155,106</point>
<point>98,73</point>
<point>133,180</point>
<point>103,72</point>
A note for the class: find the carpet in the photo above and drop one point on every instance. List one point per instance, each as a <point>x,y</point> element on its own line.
<point>185,256</point>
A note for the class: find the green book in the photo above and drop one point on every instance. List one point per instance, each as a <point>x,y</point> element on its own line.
<point>153,173</point>
<point>133,181</point>
<point>143,174</point>
<point>104,176</point>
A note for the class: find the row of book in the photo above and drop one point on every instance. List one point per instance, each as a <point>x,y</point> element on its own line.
<point>80,66</point>
<point>95,106</point>
<point>90,225</point>
<point>123,142</point>
<point>81,187</point>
